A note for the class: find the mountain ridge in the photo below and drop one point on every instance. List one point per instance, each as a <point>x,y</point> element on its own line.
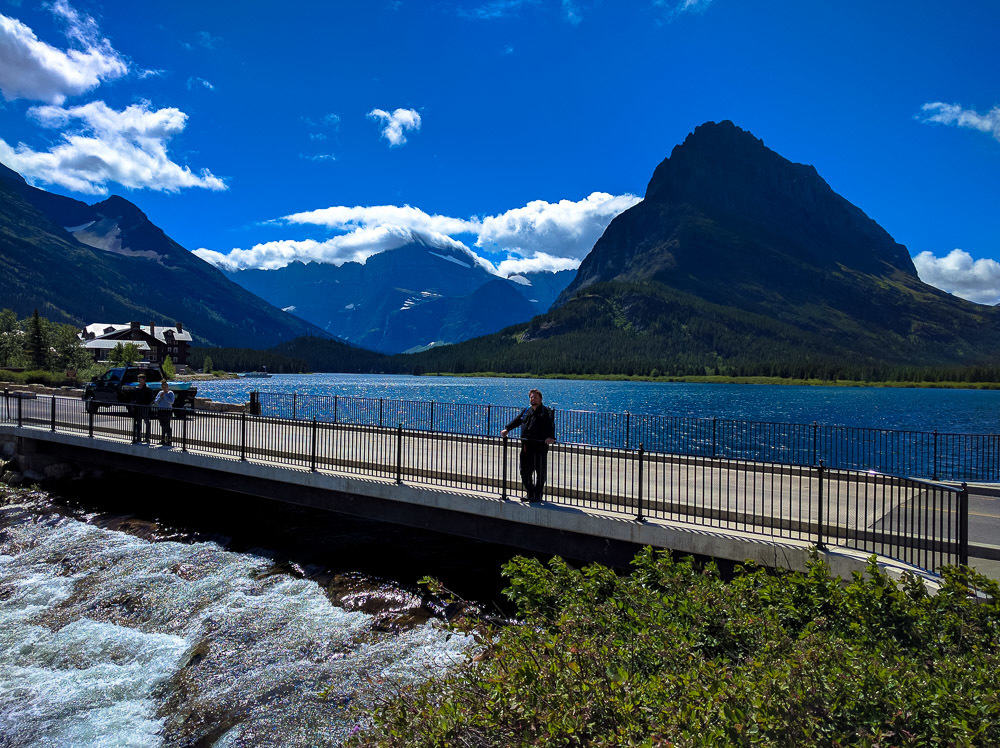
<point>139,275</point>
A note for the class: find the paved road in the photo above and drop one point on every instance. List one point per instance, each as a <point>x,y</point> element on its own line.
<point>877,513</point>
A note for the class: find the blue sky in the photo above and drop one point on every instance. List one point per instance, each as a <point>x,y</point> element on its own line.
<point>517,128</point>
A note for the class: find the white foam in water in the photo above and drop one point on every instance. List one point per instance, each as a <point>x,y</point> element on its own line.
<point>97,625</point>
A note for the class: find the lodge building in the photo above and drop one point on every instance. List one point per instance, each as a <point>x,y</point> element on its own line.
<point>155,342</point>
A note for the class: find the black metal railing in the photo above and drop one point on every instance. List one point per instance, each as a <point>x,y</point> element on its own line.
<point>919,454</point>
<point>916,521</point>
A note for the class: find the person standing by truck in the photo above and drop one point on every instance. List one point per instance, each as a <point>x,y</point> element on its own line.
<point>164,406</point>
<point>538,432</point>
<point>141,411</point>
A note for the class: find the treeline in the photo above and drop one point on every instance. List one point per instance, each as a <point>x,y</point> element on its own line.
<point>245,359</point>
<point>588,353</point>
<point>650,330</point>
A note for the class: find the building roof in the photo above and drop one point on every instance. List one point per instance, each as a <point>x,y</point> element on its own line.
<point>104,328</point>
<point>102,343</point>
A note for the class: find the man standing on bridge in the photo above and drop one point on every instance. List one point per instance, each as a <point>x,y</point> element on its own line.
<point>538,431</point>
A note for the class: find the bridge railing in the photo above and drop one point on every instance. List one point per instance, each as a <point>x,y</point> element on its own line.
<point>920,454</point>
<point>916,521</point>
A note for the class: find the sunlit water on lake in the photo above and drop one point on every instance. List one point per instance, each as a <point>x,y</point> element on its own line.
<point>947,410</point>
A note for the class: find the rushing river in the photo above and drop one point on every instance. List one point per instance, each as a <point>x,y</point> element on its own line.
<point>947,410</point>
<point>120,630</point>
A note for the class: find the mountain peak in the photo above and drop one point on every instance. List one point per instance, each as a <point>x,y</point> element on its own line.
<point>724,211</point>
<point>117,206</point>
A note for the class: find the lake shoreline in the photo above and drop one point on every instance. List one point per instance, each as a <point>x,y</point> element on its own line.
<point>696,379</point>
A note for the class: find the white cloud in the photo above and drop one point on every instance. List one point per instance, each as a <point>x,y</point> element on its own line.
<point>318,156</point>
<point>538,262</point>
<point>959,274</point>
<point>128,147</point>
<point>539,236</point>
<point>342,217</point>
<point>356,246</point>
<point>953,114</point>
<point>195,82</point>
<point>672,8</point>
<point>33,69</point>
<point>495,9</point>
<point>393,125</point>
<point>571,11</point>
<point>563,229</point>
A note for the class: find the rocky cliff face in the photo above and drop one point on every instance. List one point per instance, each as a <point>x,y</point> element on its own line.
<point>725,214</point>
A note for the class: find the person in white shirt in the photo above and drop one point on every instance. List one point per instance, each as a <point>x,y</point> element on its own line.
<point>163,404</point>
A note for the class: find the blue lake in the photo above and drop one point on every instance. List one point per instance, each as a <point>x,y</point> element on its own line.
<point>961,411</point>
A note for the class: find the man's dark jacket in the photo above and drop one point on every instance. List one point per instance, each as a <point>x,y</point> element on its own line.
<point>143,396</point>
<point>536,424</point>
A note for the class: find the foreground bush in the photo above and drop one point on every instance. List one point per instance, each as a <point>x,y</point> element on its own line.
<point>675,654</point>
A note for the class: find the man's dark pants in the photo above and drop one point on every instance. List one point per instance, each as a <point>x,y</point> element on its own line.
<point>141,416</point>
<point>534,461</point>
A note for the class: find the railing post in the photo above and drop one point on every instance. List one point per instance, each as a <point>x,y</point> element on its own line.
<point>963,527</point>
<point>934,465</point>
<point>503,480</point>
<point>628,428</point>
<point>819,508</point>
<point>52,426</point>
<point>243,435</point>
<point>6,404</point>
<point>90,423</point>
<point>295,404</point>
<point>336,401</point>
<point>20,414</point>
<point>814,427</point>
<point>380,412</point>
<point>184,429</point>
<point>715,424</point>
<point>432,416</point>
<point>399,454</point>
<point>489,419</point>
<point>312,464</point>
<point>638,514</point>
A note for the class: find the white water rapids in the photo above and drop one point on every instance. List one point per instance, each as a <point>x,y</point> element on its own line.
<point>111,639</point>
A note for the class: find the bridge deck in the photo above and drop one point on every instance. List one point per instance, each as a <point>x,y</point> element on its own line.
<point>914,521</point>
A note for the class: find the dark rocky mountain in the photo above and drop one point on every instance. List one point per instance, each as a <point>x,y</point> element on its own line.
<point>739,261</point>
<point>107,262</point>
<point>416,296</point>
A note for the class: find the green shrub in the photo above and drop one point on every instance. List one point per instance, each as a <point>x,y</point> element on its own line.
<point>48,378</point>
<point>675,654</point>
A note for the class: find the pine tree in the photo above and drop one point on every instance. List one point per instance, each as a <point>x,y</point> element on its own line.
<point>37,348</point>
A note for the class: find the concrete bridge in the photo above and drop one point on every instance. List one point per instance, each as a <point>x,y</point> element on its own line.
<point>601,504</point>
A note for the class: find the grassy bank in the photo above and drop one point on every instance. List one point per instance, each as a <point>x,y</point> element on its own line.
<point>730,380</point>
<point>673,654</point>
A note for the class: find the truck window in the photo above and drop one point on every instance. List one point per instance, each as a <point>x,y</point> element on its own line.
<point>152,375</point>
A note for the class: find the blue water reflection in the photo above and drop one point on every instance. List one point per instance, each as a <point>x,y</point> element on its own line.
<point>961,411</point>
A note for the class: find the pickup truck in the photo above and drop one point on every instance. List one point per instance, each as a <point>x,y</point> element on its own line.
<point>118,386</point>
